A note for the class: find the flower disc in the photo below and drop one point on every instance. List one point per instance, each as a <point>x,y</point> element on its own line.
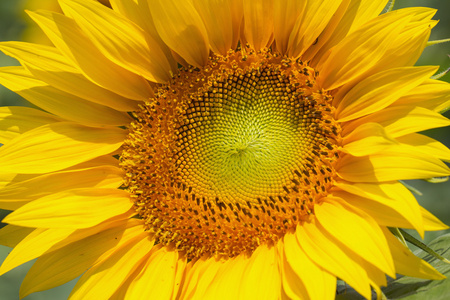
<point>233,155</point>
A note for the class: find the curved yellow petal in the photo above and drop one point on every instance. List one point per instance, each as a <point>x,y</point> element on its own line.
<point>119,40</point>
<point>432,94</point>
<point>60,145</point>
<point>357,231</point>
<point>380,90</point>
<point>430,222</point>
<point>293,287</point>
<point>104,160</point>
<point>43,240</point>
<point>376,277</point>
<point>368,138</point>
<point>258,23</point>
<point>406,47</point>
<point>15,120</point>
<point>410,43</point>
<point>406,263</point>
<point>285,15</point>
<point>70,261</point>
<point>360,51</point>
<point>366,10</point>
<point>319,283</point>
<point>307,29</point>
<point>58,102</point>
<point>113,270</point>
<point>389,203</point>
<point>182,29</point>
<point>401,120</point>
<point>327,252</point>
<point>200,273</point>
<point>78,208</point>
<point>262,272</point>
<point>426,145</point>
<point>73,43</point>
<point>328,31</point>
<point>399,162</point>
<point>139,13</point>
<point>17,194</point>
<point>357,13</point>
<point>160,275</point>
<point>218,17</point>
<point>33,245</point>
<point>228,279</point>
<point>47,64</point>
<point>11,235</point>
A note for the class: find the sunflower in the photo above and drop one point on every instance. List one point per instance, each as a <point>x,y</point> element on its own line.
<point>219,149</point>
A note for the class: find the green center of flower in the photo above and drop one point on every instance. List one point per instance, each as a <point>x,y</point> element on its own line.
<point>231,156</point>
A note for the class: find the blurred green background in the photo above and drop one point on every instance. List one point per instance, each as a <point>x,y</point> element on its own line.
<point>14,25</point>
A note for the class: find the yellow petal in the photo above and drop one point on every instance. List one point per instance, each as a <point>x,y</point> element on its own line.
<point>386,202</point>
<point>293,286</point>
<point>57,146</point>
<point>401,120</point>
<point>119,40</point>
<point>43,240</point>
<point>376,277</point>
<point>315,18</point>
<point>10,178</point>
<point>327,252</point>
<point>410,43</point>
<point>238,16</point>
<point>366,10</point>
<point>319,283</point>
<point>258,23</point>
<point>360,51</point>
<point>199,275</point>
<point>329,30</point>
<point>74,45</point>
<point>406,263</point>
<point>15,120</point>
<point>426,145</point>
<point>58,267</point>
<point>48,65</point>
<point>104,160</point>
<point>285,15</point>
<point>430,222</point>
<point>369,138</point>
<point>78,208</point>
<point>228,279</point>
<point>33,245</point>
<point>432,94</point>
<point>11,235</point>
<point>357,231</point>
<point>139,13</point>
<point>182,29</point>
<point>160,275</point>
<point>399,162</point>
<point>17,194</point>
<point>217,15</point>
<point>59,102</point>
<point>357,13</point>
<point>405,48</point>
<point>261,278</point>
<point>96,283</point>
<point>380,90</point>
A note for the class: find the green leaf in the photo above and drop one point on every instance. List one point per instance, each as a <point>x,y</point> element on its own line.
<point>408,288</point>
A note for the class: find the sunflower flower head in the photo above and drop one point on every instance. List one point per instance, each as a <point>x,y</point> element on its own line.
<point>219,149</point>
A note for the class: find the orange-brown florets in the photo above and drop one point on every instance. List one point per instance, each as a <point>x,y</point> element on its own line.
<point>231,156</point>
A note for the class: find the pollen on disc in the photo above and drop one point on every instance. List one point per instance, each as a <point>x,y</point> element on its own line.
<point>232,155</point>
